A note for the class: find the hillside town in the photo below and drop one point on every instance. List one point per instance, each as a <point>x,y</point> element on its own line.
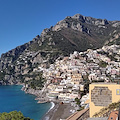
<point>60,60</point>
<point>69,78</point>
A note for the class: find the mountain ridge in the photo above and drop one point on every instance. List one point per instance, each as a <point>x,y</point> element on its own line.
<point>76,33</point>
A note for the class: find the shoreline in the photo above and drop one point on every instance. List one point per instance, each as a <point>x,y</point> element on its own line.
<point>57,111</point>
<point>50,113</point>
<point>33,109</point>
<point>54,105</point>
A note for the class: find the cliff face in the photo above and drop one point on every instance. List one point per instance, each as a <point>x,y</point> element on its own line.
<point>76,33</point>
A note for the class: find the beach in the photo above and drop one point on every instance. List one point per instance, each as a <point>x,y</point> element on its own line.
<point>59,111</point>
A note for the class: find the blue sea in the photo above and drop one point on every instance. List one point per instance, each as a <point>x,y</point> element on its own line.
<point>12,98</point>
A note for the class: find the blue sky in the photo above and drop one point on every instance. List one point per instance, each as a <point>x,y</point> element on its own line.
<point>22,20</point>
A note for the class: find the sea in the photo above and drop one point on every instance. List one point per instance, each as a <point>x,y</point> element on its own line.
<point>13,98</point>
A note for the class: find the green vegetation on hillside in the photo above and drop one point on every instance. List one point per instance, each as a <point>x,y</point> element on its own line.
<point>14,115</point>
<point>2,75</point>
<point>36,80</point>
<point>102,64</point>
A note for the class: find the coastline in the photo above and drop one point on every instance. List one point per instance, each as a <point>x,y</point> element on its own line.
<point>57,111</point>
<point>51,111</point>
<point>15,99</point>
<point>54,105</point>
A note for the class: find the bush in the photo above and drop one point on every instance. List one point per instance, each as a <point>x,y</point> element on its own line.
<point>14,115</point>
<point>102,64</point>
<point>77,101</point>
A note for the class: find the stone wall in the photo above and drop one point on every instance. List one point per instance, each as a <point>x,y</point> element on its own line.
<point>101,96</point>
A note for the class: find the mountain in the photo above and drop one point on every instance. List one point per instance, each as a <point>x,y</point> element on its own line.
<point>76,33</point>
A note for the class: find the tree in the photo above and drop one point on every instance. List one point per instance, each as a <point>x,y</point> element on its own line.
<point>14,115</point>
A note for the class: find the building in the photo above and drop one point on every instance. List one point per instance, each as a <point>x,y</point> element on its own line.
<point>101,95</point>
<point>76,79</point>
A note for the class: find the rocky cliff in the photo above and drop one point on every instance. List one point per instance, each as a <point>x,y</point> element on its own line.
<point>76,33</point>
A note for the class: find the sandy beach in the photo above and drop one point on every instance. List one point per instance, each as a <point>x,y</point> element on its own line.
<point>59,111</point>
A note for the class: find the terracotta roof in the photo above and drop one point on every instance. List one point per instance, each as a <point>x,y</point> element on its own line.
<point>113,115</point>
<point>76,115</point>
<point>104,118</point>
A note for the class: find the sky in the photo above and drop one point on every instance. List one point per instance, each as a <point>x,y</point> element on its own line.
<point>22,20</point>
